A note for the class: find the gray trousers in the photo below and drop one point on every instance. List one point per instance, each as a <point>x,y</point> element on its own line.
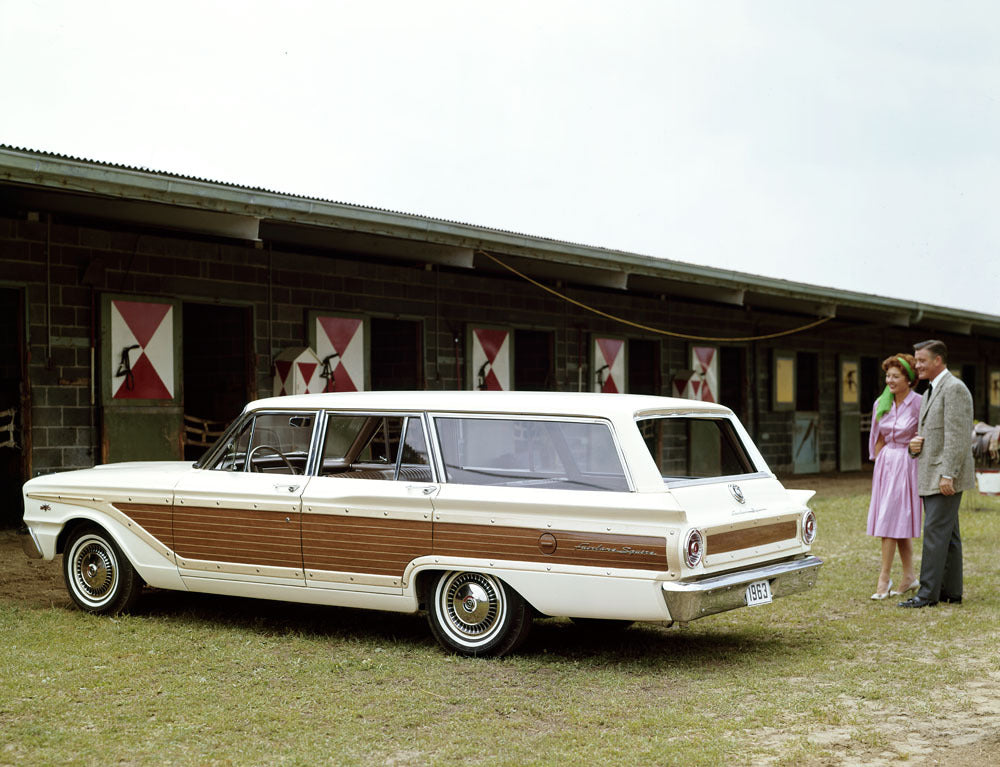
<point>941,561</point>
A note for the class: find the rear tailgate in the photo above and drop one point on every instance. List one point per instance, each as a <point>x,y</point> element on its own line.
<point>745,520</point>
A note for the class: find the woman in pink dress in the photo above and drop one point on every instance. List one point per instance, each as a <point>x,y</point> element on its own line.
<point>895,513</point>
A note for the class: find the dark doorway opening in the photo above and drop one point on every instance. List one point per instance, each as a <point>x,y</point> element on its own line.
<point>397,354</point>
<point>643,366</point>
<point>969,379</point>
<point>733,380</point>
<point>872,382</point>
<point>807,382</point>
<point>13,407</point>
<point>218,371</point>
<point>533,360</point>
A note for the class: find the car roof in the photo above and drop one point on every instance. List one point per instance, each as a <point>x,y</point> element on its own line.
<point>514,402</point>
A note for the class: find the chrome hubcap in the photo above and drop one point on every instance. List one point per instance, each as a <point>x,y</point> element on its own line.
<point>472,604</point>
<point>94,569</point>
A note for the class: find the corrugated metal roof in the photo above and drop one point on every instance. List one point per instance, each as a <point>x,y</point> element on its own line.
<point>266,190</point>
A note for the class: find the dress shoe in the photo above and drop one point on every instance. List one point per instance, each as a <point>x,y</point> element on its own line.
<point>884,594</point>
<point>914,585</point>
<point>951,600</point>
<point>917,602</point>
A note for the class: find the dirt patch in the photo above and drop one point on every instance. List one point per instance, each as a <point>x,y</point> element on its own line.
<point>969,737</point>
<point>30,582</point>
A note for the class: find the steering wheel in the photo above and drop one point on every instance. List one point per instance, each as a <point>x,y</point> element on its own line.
<point>253,466</point>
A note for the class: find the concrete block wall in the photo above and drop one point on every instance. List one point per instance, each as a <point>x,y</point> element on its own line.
<point>50,262</point>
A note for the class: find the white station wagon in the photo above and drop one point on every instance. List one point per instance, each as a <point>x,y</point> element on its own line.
<point>484,508</point>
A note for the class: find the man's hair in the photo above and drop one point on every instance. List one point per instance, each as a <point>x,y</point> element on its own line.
<point>934,348</point>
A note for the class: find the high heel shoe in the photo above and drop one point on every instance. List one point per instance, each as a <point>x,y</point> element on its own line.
<point>884,594</point>
<point>915,584</point>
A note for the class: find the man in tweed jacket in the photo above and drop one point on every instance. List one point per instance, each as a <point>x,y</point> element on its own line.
<point>944,448</point>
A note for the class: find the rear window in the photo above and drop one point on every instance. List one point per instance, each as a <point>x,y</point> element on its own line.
<point>569,455</point>
<point>695,448</point>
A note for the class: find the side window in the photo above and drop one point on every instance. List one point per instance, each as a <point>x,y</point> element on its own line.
<point>234,454</point>
<point>384,440</point>
<point>368,447</point>
<point>414,466</point>
<point>695,448</point>
<point>569,455</point>
<point>273,443</point>
<point>341,434</point>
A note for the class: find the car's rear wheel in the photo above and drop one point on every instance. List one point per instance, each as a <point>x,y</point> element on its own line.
<point>476,614</point>
<point>98,576</point>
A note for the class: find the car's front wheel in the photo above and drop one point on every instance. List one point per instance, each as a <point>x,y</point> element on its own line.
<point>476,614</point>
<point>98,576</point>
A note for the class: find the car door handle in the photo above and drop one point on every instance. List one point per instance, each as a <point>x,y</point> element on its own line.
<point>424,489</point>
<point>289,488</point>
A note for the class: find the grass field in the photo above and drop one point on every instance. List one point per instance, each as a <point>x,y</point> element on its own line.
<point>824,678</point>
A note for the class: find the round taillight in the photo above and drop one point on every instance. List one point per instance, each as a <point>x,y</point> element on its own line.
<point>808,527</point>
<point>694,548</point>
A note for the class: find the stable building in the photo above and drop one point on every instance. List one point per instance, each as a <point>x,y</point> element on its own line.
<point>139,312</point>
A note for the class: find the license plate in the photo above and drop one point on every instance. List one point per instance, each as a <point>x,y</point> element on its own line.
<point>758,593</point>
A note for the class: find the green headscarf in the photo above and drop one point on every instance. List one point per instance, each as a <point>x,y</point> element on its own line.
<point>885,398</point>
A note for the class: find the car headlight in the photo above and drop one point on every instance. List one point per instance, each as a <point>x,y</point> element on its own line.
<point>694,548</point>
<point>808,527</point>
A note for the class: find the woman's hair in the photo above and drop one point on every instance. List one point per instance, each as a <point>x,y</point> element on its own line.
<point>893,362</point>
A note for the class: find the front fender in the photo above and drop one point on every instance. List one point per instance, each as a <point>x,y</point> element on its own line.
<point>51,521</point>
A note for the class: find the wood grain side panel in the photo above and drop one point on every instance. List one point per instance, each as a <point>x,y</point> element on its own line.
<point>571,548</point>
<point>153,518</point>
<point>238,535</point>
<point>720,543</point>
<point>374,546</point>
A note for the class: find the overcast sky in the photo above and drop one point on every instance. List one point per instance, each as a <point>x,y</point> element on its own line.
<point>849,144</point>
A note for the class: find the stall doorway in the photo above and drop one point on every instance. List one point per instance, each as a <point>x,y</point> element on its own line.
<point>396,354</point>
<point>218,371</point>
<point>871,376</point>
<point>13,407</point>
<point>969,379</point>
<point>805,429</point>
<point>733,380</point>
<point>643,366</point>
<point>532,360</point>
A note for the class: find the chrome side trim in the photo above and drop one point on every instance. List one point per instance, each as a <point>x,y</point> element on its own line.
<point>29,544</point>
<point>688,600</point>
<point>675,483</point>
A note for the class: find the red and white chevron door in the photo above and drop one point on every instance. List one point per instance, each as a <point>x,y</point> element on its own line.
<point>609,365</point>
<point>341,341</point>
<point>142,348</point>
<point>704,383</point>
<point>297,371</point>
<point>490,359</point>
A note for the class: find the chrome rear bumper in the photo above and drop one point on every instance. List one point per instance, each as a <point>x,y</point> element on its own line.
<point>687,600</point>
